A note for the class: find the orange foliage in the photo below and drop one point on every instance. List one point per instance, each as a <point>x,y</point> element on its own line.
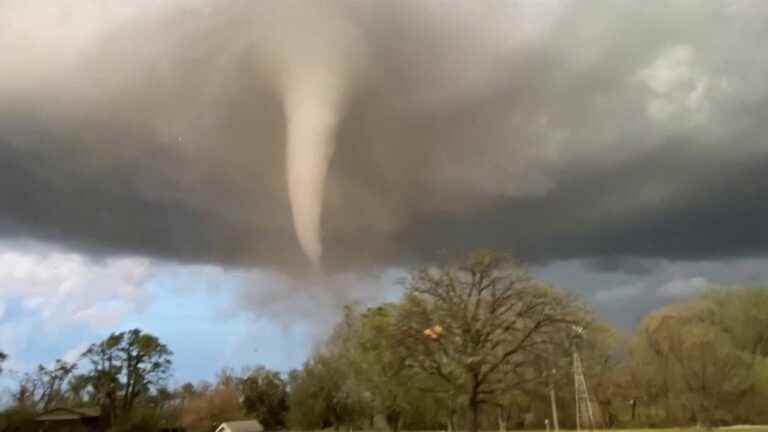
<point>203,412</point>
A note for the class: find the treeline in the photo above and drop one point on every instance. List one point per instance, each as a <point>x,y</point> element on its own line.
<point>483,345</point>
<point>127,377</point>
<point>124,376</point>
<point>476,345</point>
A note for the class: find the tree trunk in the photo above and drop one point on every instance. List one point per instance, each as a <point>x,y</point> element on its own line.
<point>394,419</point>
<point>111,405</point>
<point>503,419</point>
<point>473,403</point>
<point>605,412</point>
<point>553,401</point>
<point>667,397</point>
<point>474,414</point>
<point>451,419</point>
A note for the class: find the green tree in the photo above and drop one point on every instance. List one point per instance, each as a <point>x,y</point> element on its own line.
<point>402,396</point>
<point>77,391</point>
<point>322,394</point>
<point>742,314</point>
<point>375,363</point>
<point>265,396</point>
<point>701,371</point>
<point>127,366</point>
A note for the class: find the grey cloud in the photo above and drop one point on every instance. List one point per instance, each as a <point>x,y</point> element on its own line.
<point>625,297</point>
<point>618,294</point>
<point>314,306</point>
<point>622,263</point>
<point>683,287</point>
<point>612,130</point>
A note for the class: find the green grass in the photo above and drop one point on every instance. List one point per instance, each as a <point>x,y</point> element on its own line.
<point>741,428</point>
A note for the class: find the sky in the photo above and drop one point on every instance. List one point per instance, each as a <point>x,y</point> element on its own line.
<point>227,175</point>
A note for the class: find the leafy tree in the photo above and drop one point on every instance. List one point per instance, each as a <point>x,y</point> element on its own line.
<point>702,371</point>
<point>265,396</point>
<point>146,365</point>
<point>127,366</point>
<point>322,394</point>
<point>368,345</point>
<point>77,391</point>
<point>473,324</point>
<point>741,314</point>
<point>375,363</point>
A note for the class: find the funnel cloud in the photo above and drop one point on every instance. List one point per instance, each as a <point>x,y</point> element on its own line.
<point>312,90</point>
<point>358,136</point>
<point>311,121</point>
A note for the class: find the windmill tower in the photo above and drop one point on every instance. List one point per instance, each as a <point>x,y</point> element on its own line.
<point>585,417</point>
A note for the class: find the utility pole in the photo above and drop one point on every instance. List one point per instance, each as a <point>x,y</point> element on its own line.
<point>584,416</point>
<point>553,401</point>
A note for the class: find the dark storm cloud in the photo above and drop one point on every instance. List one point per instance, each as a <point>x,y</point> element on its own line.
<point>139,203</point>
<point>625,298</point>
<point>601,130</point>
<point>621,263</point>
<point>674,204</point>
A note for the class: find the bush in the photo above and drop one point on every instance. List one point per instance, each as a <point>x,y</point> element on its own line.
<point>139,421</point>
<point>17,419</point>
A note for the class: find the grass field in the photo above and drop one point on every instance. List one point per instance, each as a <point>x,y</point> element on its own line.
<point>740,428</point>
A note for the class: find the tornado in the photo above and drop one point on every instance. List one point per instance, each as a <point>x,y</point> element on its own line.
<point>315,75</point>
<point>311,103</point>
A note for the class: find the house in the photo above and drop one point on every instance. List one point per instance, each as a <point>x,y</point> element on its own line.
<point>70,419</point>
<point>241,426</point>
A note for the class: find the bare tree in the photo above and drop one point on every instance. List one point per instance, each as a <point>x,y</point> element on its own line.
<point>44,388</point>
<point>474,324</point>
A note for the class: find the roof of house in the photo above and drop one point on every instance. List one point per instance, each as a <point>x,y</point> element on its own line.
<point>242,426</point>
<point>69,414</point>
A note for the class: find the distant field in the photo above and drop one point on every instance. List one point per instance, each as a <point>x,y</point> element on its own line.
<point>740,428</point>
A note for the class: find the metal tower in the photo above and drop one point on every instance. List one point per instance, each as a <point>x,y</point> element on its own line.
<point>584,416</point>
